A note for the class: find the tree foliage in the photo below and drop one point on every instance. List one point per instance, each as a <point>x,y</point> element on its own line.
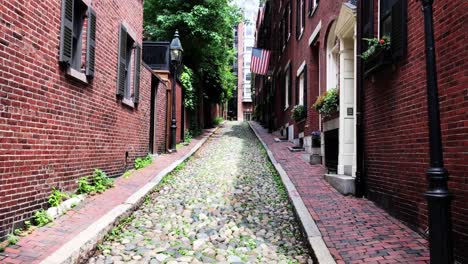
<point>206,33</point>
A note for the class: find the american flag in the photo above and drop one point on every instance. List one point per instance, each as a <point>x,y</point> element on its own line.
<point>260,61</point>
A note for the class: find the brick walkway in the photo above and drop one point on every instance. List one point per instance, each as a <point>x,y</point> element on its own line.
<point>44,241</point>
<point>354,230</point>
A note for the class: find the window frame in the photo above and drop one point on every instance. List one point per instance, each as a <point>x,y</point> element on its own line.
<point>132,68</point>
<point>76,15</point>
<point>287,87</point>
<point>313,4</point>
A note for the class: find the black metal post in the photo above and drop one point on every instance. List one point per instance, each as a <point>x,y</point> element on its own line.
<point>359,181</point>
<point>174,122</point>
<point>438,197</point>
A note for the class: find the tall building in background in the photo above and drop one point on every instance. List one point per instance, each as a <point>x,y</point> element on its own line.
<point>244,41</point>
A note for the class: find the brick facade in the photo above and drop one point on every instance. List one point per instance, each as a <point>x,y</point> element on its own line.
<point>396,123</point>
<point>296,52</point>
<point>54,129</point>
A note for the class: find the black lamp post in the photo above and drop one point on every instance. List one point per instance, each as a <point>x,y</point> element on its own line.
<point>438,198</point>
<point>176,60</point>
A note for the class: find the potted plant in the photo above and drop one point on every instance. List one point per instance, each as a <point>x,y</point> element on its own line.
<point>316,139</point>
<point>377,54</point>
<point>298,113</point>
<point>327,103</point>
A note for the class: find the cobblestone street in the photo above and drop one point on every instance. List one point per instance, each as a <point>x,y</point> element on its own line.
<point>226,204</point>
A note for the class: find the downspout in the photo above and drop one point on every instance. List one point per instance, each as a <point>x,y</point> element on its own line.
<point>360,168</point>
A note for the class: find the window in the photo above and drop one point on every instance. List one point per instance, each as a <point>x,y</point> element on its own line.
<point>287,24</point>
<point>128,74</point>
<point>300,18</point>
<point>248,77</point>
<point>393,24</point>
<point>302,88</point>
<point>386,17</point>
<point>313,6</point>
<point>367,22</point>
<point>287,87</point>
<point>78,39</point>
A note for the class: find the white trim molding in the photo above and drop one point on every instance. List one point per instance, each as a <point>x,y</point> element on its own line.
<point>315,33</point>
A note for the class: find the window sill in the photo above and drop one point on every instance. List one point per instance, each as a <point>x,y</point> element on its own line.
<point>128,102</point>
<point>77,75</point>
<point>286,108</point>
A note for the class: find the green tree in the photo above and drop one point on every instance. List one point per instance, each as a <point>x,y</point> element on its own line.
<point>206,30</point>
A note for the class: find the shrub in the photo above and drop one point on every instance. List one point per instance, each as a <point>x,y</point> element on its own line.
<point>56,197</point>
<point>140,163</point>
<point>298,113</point>
<point>328,102</point>
<point>42,218</point>
<point>218,120</point>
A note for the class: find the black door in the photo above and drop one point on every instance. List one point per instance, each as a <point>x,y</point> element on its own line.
<point>154,87</point>
<point>331,150</point>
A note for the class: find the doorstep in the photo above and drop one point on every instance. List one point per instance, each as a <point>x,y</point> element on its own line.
<point>342,183</point>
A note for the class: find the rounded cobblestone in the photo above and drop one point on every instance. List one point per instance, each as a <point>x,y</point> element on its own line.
<point>225,205</point>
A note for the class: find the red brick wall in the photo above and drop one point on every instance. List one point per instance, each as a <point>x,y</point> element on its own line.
<point>54,130</point>
<point>298,51</point>
<point>396,124</point>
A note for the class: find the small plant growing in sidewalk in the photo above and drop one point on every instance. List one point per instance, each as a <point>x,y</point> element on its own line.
<point>298,113</point>
<point>218,120</point>
<point>12,239</point>
<point>101,181</point>
<point>42,218</point>
<point>84,187</point>
<point>127,174</point>
<point>140,163</point>
<point>57,197</point>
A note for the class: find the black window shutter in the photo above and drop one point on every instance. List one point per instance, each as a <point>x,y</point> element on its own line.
<point>290,87</point>
<point>91,43</point>
<point>303,13</point>
<point>136,82</point>
<point>66,32</point>
<point>122,61</point>
<point>311,8</point>
<point>398,37</point>
<point>298,18</point>
<point>297,90</point>
<point>290,17</point>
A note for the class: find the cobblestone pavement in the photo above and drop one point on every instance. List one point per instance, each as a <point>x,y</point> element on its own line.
<point>225,205</point>
<point>355,230</point>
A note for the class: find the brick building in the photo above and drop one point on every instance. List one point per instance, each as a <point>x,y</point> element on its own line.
<point>74,97</point>
<point>314,49</point>
<point>396,139</point>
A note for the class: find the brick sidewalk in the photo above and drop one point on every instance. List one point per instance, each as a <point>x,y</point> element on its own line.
<point>354,230</point>
<point>46,240</point>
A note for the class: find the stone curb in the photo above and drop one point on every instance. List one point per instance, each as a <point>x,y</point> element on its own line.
<point>314,237</point>
<point>82,245</point>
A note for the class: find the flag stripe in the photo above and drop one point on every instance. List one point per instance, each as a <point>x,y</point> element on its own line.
<point>260,61</point>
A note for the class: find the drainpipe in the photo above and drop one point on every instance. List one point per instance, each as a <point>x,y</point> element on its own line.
<point>360,168</point>
<point>438,197</point>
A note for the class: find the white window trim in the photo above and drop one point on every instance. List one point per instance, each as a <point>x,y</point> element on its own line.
<point>287,84</point>
<point>301,89</point>
<point>315,33</point>
<point>300,69</point>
